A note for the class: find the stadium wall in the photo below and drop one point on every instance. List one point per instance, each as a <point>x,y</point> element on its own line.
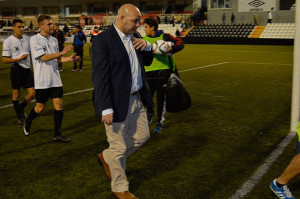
<point>279,16</point>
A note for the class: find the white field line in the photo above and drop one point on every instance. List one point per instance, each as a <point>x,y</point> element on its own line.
<point>240,51</point>
<point>247,187</point>
<point>253,180</point>
<point>89,89</point>
<point>71,93</point>
<point>261,63</point>
<point>203,67</point>
<point>80,91</point>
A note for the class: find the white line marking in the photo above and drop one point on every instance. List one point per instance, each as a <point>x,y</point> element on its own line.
<point>89,89</point>
<point>8,105</point>
<point>71,93</point>
<point>240,51</point>
<point>261,63</point>
<point>80,91</point>
<point>203,67</point>
<point>249,185</point>
<point>256,176</point>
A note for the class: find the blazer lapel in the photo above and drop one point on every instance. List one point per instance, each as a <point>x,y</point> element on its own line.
<point>118,41</point>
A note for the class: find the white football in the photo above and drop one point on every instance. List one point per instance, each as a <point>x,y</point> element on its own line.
<point>160,47</point>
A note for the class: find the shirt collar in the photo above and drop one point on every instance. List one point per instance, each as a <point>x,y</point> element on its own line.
<point>17,37</point>
<point>44,36</point>
<point>121,34</point>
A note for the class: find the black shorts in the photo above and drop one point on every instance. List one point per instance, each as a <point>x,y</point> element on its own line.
<point>43,95</point>
<point>60,48</point>
<point>21,77</point>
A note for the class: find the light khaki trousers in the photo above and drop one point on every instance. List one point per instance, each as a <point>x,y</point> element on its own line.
<point>125,138</point>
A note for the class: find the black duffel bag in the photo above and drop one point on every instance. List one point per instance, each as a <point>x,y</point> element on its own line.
<point>177,98</point>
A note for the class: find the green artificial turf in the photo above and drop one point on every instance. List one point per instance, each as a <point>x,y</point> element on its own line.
<point>240,112</point>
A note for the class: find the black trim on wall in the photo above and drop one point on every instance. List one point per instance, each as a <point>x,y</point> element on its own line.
<point>247,41</point>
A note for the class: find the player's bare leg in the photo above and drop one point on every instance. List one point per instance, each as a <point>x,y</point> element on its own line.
<point>27,99</point>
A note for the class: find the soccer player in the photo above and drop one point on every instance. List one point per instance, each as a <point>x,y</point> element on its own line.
<point>45,55</point>
<point>159,71</point>
<point>16,50</point>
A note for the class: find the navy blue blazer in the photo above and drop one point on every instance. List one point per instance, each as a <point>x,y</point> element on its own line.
<point>111,74</point>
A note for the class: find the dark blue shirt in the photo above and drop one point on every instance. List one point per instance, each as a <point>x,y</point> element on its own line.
<point>79,39</point>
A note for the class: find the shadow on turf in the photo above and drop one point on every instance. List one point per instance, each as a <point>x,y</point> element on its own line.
<point>41,131</point>
<point>6,68</point>
<point>78,127</point>
<point>28,147</point>
<point>82,125</point>
<point>163,161</point>
<point>5,96</point>
<point>75,128</point>
<point>67,107</point>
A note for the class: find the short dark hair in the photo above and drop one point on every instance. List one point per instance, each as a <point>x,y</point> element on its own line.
<point>152,22</point>
<point>42,18</point>
<point>55,24</point>
<point>15,21</point>
<point>95,27</point>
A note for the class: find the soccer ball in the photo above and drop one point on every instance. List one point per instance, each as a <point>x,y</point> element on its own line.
<point>160,47</point>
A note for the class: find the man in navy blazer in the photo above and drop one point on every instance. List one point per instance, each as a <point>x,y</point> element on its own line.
<point>121,93</point>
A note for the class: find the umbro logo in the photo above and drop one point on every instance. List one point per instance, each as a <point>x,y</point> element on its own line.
<point>256,3</point>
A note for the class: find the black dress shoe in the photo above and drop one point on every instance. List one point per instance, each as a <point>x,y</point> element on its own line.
<point>61,138</point>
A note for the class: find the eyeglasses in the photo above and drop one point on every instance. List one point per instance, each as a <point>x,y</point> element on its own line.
<point>50,24</point>
<point>20,26</point>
